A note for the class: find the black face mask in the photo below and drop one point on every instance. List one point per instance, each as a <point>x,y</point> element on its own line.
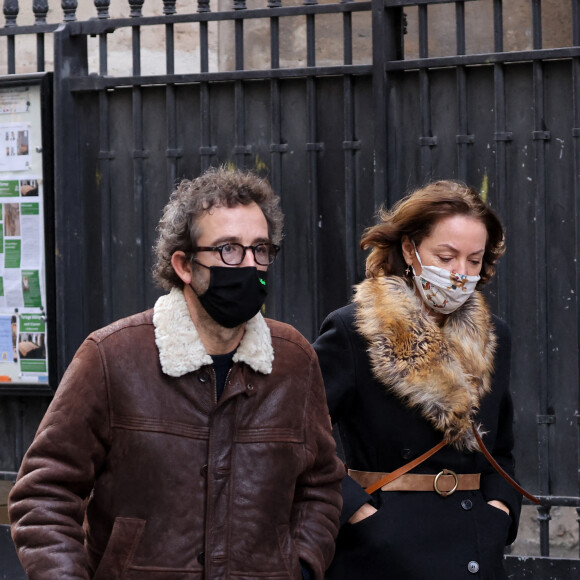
<point>234,295</point>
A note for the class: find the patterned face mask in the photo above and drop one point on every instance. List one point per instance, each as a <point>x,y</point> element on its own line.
<point>442,290</point>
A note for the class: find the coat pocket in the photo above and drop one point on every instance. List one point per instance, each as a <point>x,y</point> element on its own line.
<point>291,560</point>
<point>121,547</point>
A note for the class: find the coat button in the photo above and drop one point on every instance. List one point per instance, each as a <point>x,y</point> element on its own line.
<point>203,377</point>
<point>203,471</point>
<point>473,567</point>
<point>406,453</point>
<point>201,558</point>
<point>250,387</point>
<point>466,504</point>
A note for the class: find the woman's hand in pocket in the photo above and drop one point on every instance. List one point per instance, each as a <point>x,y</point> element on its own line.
<point>363,512</point>
<point>496,504</point>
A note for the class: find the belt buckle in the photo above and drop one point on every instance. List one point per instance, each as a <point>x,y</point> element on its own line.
<point>445,472</point>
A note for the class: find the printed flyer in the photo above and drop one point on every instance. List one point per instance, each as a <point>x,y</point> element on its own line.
<point>23,333</point>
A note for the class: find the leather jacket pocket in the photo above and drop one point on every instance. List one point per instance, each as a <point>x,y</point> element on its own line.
<point>289,554</point>
<point>123,541</point>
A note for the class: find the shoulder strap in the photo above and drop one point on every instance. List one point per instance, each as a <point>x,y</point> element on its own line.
<point>499,469</point>
<point>418,460</point>
<point>407,467</point>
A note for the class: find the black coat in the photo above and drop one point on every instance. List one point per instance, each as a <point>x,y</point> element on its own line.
<point>415,535</point>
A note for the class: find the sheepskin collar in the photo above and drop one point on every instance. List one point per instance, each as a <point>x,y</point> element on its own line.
<point>181,350</point>
<point>443,372</point>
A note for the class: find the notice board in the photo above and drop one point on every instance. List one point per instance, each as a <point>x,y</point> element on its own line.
<point>26,229</point>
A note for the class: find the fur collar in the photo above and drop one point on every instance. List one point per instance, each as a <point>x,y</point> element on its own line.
<point>181,350</point>
<point>443,372</point>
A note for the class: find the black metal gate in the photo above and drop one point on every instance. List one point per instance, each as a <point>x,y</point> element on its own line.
<point>340,128</point>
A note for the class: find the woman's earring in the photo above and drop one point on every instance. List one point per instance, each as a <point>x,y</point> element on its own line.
<point>408,270</point>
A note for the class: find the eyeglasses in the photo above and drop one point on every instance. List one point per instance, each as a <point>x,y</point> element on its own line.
<point>233,254</point>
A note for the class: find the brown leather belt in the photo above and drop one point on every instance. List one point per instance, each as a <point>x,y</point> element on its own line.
<point>444,483</point>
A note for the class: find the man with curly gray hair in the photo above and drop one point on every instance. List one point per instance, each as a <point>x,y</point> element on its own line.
<point>191,440</point>
<point>178,228</point>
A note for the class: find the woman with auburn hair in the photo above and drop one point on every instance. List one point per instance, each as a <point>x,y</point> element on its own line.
<point>417,374</point>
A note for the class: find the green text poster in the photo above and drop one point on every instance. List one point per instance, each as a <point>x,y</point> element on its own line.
<point>12,253</point>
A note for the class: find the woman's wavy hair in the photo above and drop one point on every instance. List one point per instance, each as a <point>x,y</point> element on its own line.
<point>217,187</point>
<point>415,216</point>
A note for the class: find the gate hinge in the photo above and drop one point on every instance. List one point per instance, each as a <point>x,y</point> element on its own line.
<point>503,136</point>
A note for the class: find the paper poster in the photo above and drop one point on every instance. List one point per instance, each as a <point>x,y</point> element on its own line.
<point>7,339</point>
<point>15,100</point>
<point>23,344</point>
<point>14,147</point>
<point>21,243</point>
<point>32,343</point>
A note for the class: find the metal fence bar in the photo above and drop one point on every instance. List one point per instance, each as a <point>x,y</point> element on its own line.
<point>312,148</point>
<point>93,83</point>
<point>502,138</point>
<point>380,19</point>
<point>206,150</point>
<point>40,9</point>
<point>106,157</point>
<point>103,54</point>
<point>173,152</point>
<point>427,140</point>
<point>169,48</point>
<point>71,54</point>
<point>462,139</point>
<point>241,149</point>
<point>277,146</point>
<point>576,145</point>
<point>139,156</point>
<point>350,146</point>
<point>545,417</point>
<point>10,13</point>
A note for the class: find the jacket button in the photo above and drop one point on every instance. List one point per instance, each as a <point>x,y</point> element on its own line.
<point>466,504</point>
<point>203,471</point>
<point>406,453</point>
<point>250,387</point>
<point>201,558</point>
<point>473,567</point>
<point>203,377</point>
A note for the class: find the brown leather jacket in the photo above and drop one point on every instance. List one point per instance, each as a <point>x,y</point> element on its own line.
<point>180,486</point>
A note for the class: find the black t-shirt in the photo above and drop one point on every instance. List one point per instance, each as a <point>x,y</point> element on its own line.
<point>221,364</point>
